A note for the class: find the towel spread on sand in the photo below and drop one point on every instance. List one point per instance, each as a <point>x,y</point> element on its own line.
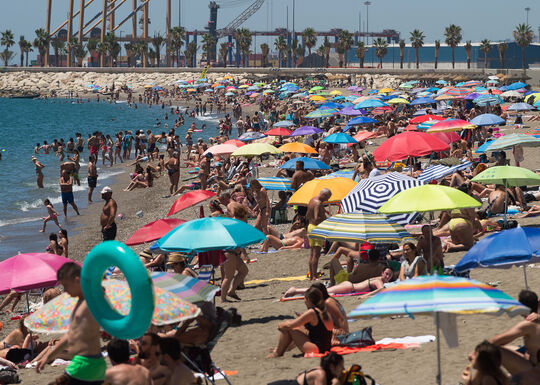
<point>258,281</point>
<point>293,298</point>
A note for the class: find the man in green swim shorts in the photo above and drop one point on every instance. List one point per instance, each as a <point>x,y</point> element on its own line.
<point>83,337</point>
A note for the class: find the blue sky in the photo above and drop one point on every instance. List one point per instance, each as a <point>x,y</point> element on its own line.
<point>479,19</point>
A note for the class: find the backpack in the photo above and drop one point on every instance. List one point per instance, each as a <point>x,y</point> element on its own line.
<point>355,376</point>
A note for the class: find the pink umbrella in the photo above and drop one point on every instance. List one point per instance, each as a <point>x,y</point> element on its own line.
<point>221,149</point>
<point>236,142</point>
<point>447,137</point>
<point>153,230</point>
<point>29,271</point>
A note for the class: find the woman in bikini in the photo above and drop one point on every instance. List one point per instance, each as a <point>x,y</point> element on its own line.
<point>39,173</point>
<point>103,148</point>
<point>263,206</point>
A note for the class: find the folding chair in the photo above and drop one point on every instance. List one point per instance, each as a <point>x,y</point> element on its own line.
<point>206,273</point>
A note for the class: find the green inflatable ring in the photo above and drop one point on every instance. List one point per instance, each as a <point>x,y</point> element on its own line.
<point>114,253</point>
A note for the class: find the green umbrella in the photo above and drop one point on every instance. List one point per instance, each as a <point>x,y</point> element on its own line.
<point>508,176</point>
<point>321,113</point>
<point>316,88</point>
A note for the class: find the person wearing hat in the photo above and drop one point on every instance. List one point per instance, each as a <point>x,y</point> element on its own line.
<point>178,263</point>
<point>151,262</point>
<point>108,226</point>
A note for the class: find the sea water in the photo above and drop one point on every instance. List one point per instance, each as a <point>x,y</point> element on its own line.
<point>23,123</point>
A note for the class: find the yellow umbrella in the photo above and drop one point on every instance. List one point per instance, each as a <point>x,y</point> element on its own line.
<point>244,86</point>
<point>317,98</point>
<point>268,139</point>
<point>298,147</point>
<point>339,186</point>
<point>149,86</point>
<point>385,90</point>
<point>191,90</point>
<point>256,149</point>
<point>397,101</point>
<point>444,97</point>
<point>335,92</point>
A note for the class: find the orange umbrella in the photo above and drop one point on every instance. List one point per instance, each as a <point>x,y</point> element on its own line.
<point>298,147</point>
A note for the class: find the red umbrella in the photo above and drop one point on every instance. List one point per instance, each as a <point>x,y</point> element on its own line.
<point>411,127</point>
<point>381,110</point>
<point>278,131</point>
<point>449,125</point>
<point>425,118</point>
<point>408,144</point>
<point>189,199</point>
<point>236,142</point>
<point>447,137</point>
<point>30,271</point>
<point>153,230</point>
<point>362,135</point>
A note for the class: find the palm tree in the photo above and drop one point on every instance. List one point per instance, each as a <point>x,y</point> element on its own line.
<point>437,48</point>
<point>361,53</point>
<point>381,48</point>
<point>502,50</point>
<point>208,46</point>
<point>6,56</point>
<point>523,35</point>
<point>243,39</point>
<point>401,52</point>
<point>417,41</point>
<point>223,53</point>
<point>321,52</point>
<point>57,45</point>
<point>79,52</point>
<point>300,53</point>
<point>24,45</point>
<point>345,40</point>
<point>453,37</point>
<point>102,53</point>
<point>468,49</point>
<point>152,56</point>
<point>157,41</point>
<point>291,51</point>
<point>129,47</point>
<point>310,39</point>
<point>27,50</point>
<point>41,42</point>
<point>327,45</point>
<point>177,36</point>
<point>190,53</point>
<point>91,45</point>
<point>7,40</point>
<point>140,48</point>
<point>340,49</point>
<point>265,50</point>
<point>485,47</point>
<point>281,45</point>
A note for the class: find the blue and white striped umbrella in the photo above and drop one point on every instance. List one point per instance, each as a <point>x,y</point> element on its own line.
<point>371,193</point>
<point>439,171</point>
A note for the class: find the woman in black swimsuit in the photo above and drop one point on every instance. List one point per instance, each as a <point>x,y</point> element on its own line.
<point>486,362</point>
<point>316,320</point>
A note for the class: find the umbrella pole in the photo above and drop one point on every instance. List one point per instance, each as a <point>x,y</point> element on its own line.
<point>438,379</point>
<point>430,243</point>
<point>505,202</point>
<point>30,331</point>
<point>525,276</point>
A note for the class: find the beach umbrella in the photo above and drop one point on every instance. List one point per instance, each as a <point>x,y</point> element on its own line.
<point>251,135</point>
<point>276,184</point>
<point>433,172</point>
<point>410,127</point>
<point>327,105</point>
<point>309,164</point>
<point>487,120</point>
<point>256,149</point>
<point>207,234</point>
<point>425,118</point>
<point>519,246</point>
<point>235,142</point>
<point>385,90</point>
<point>221,149</point>
<point>370,103</point>
<point>306,130</point>
<point>339,137</point>
<point>516,86</point>
<point>426,125</point>
<point>520,107</point>
<point>322,113</point>
<point>438,295</point>
<point>29,271</point>
<point>360,227</point>
<point>298,147</point>
<point>398,101</point>
<point>422,101</point>
<point>361,120</point>
<point>344,173</point>
<point>316,88</point>
<point>189,199</point>
<point>278,131</point>
<point>284,123</point>
<point>512,94</point>
<point>447,137</point>
<point>153,230</point>
<point>229,93</point>
<point>440,81</point>
<point>483,147</point>
<point>350,111</point>
<point>508,141</point>
<point>54,317</point>
<point>408,144</point>
<point>186,288</point>
<point>363,135</point>
<point>457,92</point>
<point>450,125</point>
<point>371,193</point>
<point>488,100</point>
<point>340,187</point>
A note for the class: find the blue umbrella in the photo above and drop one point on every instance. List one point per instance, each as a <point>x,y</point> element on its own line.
<point>370,103</point>
<point>483,148</point>
<point>423,101</point>
<point>207,234</point>
<point>516,86</point>
<point>361,120</point>
<point>309,164</point>
<point>520,107</point>
<point>487,120</point>
<point>331,105</point>
<point>486,99</point>
<point>339,137</point>
<point>517,246</point>
<point>283,123</point>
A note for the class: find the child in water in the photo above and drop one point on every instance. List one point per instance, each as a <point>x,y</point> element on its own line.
<point>53,215</point>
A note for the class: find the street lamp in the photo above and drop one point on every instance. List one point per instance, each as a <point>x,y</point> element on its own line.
<point>527,9</point>
<point>367,4</point>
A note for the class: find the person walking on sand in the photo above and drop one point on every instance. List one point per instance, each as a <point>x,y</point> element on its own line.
<point>66,189</point>
<point>108,226</point>
<point>315,215</point>
<point>82,339</point>
<point>92,176</point>
<point>53,215</point>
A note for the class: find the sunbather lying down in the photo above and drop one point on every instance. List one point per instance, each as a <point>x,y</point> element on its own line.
<point>281,244</point>
<point>346,287</point>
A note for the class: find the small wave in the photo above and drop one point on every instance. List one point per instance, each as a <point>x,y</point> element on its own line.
<point>108,174</point>
<point>8,222</point>
<point>209,118</point>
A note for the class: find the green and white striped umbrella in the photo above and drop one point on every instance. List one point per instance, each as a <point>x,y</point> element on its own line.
<point>508,141</point>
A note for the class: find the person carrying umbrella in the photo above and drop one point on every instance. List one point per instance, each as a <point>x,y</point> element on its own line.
<point>316,215</point>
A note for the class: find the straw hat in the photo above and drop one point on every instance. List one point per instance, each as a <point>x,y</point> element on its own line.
<point>176,258</point>
<point>146,254</point>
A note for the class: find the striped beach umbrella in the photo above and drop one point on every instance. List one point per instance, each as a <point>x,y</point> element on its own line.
<point>322,113</point>
<point>433,172</point>
<point>187,288</point>
<point>458,92</point>
<point>425,125</point>
<point>441,296</point>
<point>360,227</point>
<point>276,184</point>
<point>371,193</point>
<point>508,141</point>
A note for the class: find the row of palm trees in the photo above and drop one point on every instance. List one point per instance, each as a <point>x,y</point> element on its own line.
<point>110,48</point>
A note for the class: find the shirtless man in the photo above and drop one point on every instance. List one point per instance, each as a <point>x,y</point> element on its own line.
<point>170,352</point>
<point>83,337</point>
<point>204,169</point>
<point>151,144</point>
<point>361,272</point>
<point>92,176</point>
<point>263,206</point>
<point>66,189</point>
<point>173,170</point>
<point>512,360</point>
<point>315,215</point>
<point>147,357</point>
<point>426,249</point>
<point>300,176</point>
<point>108,226</point>
<point>122,372</point>
<point>234,209</point>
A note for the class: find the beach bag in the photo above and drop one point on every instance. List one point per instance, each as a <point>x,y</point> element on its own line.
<point>359,338</point>
<point>9,376</point>
<point>355,376</point>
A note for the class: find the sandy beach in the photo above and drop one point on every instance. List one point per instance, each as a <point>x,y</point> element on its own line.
<point>244,348</point>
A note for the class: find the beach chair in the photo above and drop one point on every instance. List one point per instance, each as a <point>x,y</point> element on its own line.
<point>278,216</point>
<point>206,273</point>
<point>198,358</point>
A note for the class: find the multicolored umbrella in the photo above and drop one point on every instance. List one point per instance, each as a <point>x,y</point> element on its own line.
<point>439,295</point>
<point>450,125</point>
<point>276,184</point>
<point>408,144</point>
<point>54,316</point>
<point>186,288</point>
<point>297,147</point>
<point>371,193</point>
<point>426,125</point>
<point>190,199</point>
<point>153,230</point>
<point>360,227</point>
<point>340,187</point>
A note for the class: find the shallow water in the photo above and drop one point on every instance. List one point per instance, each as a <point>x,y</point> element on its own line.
<point>23,123</point>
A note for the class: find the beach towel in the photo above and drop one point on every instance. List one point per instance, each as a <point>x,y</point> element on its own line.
<point>259,281</point>
<point>293,298</point>
<point>264,252</point>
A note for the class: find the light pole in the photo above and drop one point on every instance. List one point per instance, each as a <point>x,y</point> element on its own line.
<point>367,4</point>
<point>527,9</point>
